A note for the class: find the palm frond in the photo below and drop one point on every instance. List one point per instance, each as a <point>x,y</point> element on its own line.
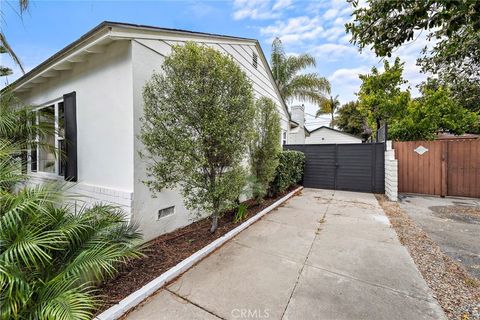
<point>9,50</point>
<point>308,87</point>
<point>23,5</point>
<point>295,64</point>
<point>65,299</point>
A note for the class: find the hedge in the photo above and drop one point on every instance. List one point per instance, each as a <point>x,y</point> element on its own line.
<point>289,171</point>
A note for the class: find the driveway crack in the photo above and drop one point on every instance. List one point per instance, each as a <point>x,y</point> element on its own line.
<point>195,304</point>
<point>320,222</point>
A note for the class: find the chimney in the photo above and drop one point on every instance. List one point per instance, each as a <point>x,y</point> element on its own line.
<point>298,115</point>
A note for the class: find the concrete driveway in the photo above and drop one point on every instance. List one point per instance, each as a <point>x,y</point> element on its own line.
<point>453,223</point>
<point>322,255</point>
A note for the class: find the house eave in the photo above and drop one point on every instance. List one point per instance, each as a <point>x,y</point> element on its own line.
<point>76,52</point>
<point>106,32</point>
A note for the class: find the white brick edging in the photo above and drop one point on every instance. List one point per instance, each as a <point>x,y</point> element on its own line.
<point>141,294</point>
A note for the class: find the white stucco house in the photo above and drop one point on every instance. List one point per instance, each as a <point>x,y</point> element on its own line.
<point>94,88</point>
<point>299,134</point>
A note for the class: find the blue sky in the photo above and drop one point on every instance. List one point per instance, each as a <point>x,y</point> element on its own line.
<point>316,27</point>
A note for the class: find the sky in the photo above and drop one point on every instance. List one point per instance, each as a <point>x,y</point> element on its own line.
<point>314,27</point>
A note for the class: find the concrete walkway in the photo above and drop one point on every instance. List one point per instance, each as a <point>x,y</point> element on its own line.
<point>323,255</point>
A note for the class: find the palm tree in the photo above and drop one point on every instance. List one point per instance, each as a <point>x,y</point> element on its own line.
<point>51,259</point>
<point>5,46</point>
<point>307,87</point>
<point>329,105</point>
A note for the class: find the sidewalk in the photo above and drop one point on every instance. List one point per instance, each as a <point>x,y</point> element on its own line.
<point>323,255</point>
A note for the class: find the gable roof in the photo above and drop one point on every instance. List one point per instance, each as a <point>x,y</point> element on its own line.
<point>102,34</point>
<point>332,129</point>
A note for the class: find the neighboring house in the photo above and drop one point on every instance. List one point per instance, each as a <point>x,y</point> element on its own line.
<point>324,135</point>
<point>94,88</point>
<point>299,134</point>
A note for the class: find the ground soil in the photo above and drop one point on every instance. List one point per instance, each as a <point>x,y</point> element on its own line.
<point>457,292</point>
<point>169,249</point>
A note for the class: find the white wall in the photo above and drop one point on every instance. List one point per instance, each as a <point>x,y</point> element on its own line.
<point>145,62</point>
<point>147,56</point>
<point>325,135</point>
<point>103,86</point>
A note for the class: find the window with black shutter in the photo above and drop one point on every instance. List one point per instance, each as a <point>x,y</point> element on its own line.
<point>60,115</point>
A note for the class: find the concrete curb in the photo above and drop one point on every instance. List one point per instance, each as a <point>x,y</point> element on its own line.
<point>141,294</point>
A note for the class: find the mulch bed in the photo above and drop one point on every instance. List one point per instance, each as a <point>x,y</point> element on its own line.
<point>457,292</point>
<point>167,250</point>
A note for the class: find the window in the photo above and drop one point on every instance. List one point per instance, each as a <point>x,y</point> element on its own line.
<point>254,60</point>
<point>284,137</point>
<point>44,158</point>
<point>162,213</point>
<point>45,155</point>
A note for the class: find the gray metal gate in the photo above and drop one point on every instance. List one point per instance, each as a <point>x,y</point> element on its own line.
<point>352,167</point>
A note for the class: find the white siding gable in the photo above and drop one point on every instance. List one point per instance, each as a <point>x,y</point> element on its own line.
<point>242,54</point>
<point>326,135</point>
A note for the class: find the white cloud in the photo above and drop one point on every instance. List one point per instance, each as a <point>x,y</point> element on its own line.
<point>345,81</point>
<point>294,30</point>
<point>330,14</point>
<point>259,9</point>
<point>333,51</point>
<point>282,4</point>
<point>347,75</point>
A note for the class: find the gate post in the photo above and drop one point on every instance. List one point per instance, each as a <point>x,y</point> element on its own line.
<point>391,172</point>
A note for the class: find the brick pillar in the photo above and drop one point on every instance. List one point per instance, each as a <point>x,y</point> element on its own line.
<point>391,173</point>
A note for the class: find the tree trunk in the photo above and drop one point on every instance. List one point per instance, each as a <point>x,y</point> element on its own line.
<point>214,223</point>
<point>331,123</point>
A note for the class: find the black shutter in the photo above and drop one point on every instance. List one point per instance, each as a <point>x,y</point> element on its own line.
<point>70,105</point>
<point>33,158</point>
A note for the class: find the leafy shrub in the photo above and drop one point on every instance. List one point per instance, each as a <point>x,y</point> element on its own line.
<point>51,259</point>
<point>241,213</point>
<point>289,171</point>
<point>264,147</point>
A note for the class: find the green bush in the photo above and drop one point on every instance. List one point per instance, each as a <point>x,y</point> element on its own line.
<point>264,147</point>
<point>289,171</point>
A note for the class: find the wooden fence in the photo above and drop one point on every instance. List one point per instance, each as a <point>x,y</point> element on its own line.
<point>439,167</point>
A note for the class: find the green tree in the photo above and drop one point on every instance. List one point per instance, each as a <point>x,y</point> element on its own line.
<point>455,25</point>
<point>265,146</point>
<point>197,126</point>
<point>329,105</point>
<point>350,120</point>
<point>293,85</point>
<point>435,111</point>
<point>380,95</point>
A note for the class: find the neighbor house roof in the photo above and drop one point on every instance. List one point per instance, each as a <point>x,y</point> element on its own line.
<point>332,129</point>
<point>103,34</point>
<point>449,136</point>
